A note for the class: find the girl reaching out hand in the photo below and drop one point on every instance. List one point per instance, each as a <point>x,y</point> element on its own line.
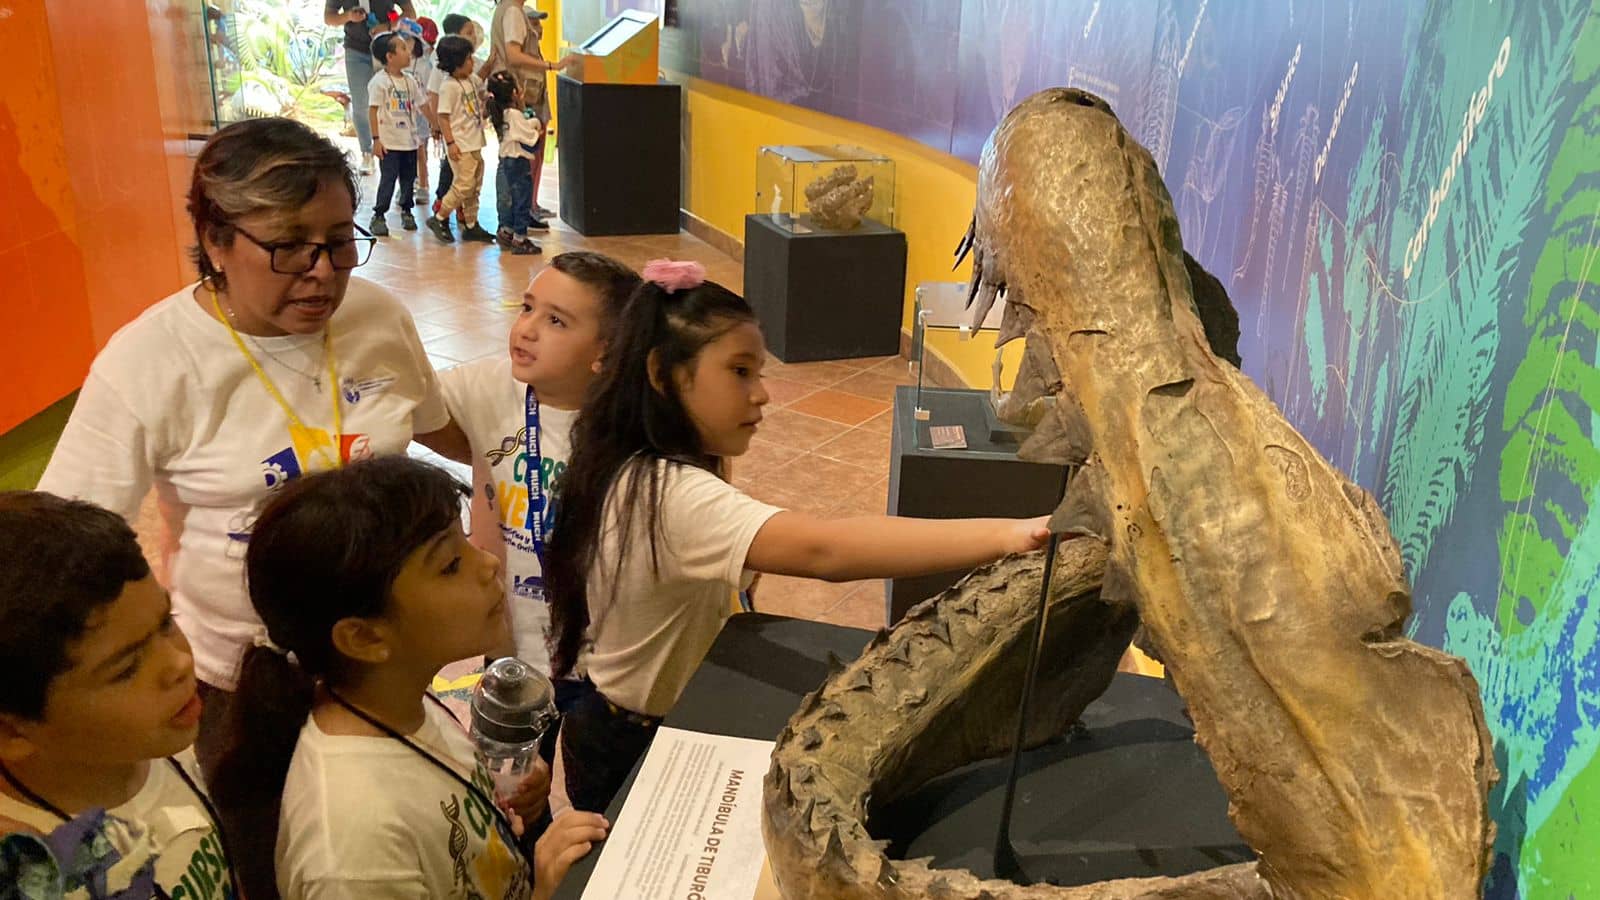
<point>653,539</point>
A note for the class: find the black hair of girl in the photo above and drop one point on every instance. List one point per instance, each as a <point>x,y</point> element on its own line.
<point>451,52</point>
<point>501,86</point>
<point>325,547</point>
<point>625,416</point>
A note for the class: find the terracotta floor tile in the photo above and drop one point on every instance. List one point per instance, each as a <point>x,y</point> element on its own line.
<point>779,492</point>
<point>792,429</point>
<point>824,483</point>
<point>464,316</point>
<point>896,367</point>
<point>429,330</point>
<point>468,345</point>
<point>871,384</point>
<point>784,392</point>
<point>869,501</point>
<point>821,374</point>
<point>442,362</point>
<point>803,598</point>
<point>861,608</point>
<point>866,362</point>
<point>860,447</point>
<point>838,406</point>
<point>882,423</point>
<point>762,457</point>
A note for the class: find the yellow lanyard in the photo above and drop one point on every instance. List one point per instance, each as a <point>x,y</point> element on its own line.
<point>266,382</point>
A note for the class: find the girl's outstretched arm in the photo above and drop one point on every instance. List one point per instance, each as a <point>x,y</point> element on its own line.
<point>792,543</point>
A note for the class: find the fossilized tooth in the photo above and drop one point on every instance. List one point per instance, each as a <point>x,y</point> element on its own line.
<point>1357,763</point>
<point>1033,392</point>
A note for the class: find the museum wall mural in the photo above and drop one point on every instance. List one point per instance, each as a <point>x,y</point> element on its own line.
<point>1402,200</point>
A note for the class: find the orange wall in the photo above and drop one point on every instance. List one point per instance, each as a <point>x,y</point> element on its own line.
<point>88,238</point>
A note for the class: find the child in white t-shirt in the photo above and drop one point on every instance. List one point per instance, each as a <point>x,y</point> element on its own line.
<point>460,120</point>
<point>520,131</point>
<point>100,703</point>
<point>653,542</point>
<point>422,70</point>
<point>517,412</point>
<point>346,778</point>
<point>392,109</point>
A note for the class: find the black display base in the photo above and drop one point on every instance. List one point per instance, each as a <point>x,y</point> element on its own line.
<point>620,157</point>
<point>986,479</point>
<point>825,294</point>
<point>1131,795</point>
<point>1138,776</point>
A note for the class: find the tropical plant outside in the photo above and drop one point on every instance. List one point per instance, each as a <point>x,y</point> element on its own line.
<point>278,58</point>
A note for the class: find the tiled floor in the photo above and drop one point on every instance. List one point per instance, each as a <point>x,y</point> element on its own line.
<point>824,447</point>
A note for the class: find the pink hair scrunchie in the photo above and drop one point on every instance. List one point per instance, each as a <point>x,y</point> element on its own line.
<point>674,275</point>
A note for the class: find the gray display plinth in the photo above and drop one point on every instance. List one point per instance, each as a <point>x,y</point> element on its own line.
<point>986,479</point>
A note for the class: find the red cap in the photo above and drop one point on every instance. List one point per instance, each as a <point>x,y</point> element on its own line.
<point>430,30</point>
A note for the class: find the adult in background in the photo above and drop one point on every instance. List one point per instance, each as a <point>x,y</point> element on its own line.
<point>362,21</point>
<point>514,35</point>
<point>276,363</point>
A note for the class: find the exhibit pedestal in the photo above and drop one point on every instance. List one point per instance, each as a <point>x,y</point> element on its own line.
<point>985,479</point>
<point>1131,796</point>
<point>620,154</point>
<point>825,294</point>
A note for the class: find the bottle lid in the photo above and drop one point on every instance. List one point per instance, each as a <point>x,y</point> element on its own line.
<point>514,703</point>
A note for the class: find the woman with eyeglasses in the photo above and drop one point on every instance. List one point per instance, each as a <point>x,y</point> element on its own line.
<point>276,363</point>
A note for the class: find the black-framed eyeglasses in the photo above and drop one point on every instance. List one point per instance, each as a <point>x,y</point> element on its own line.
<point>299,257</point>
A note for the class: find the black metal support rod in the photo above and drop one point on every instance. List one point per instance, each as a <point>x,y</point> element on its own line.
<point>1006,863</point>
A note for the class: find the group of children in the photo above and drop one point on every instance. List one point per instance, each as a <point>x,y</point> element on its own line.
<point>606,544</point>
<point>453,108</point>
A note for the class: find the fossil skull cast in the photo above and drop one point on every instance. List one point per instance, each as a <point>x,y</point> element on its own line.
<point>1357,763</point>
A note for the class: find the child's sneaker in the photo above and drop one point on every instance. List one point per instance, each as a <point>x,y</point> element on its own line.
<point>525,247</point>
<point>475,232</point>
<point>378,227</point>
<point>538,224</point>
<point>407,220</point>
<point>504,238</point>
<point>441,229</point>
<point>366,163</point>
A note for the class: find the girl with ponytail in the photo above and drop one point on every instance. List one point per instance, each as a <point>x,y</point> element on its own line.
<point>653,540</point>
<point>345,777</point>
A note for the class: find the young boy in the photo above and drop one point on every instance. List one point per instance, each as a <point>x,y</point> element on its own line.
<point>453,24</point>
<point>517,414</point>
<point>394,96</point>
<point>98,702</point>
<point>461,120</point>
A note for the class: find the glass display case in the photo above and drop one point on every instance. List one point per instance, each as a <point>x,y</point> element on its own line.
<point>942,306</point>
<point>831,189</point>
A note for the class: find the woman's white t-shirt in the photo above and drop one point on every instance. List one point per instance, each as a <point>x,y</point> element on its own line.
<point>168,814</point>
<point>367,817</point>
<point>490,405</point>
<point>172,402</point>
<point>649,629</point>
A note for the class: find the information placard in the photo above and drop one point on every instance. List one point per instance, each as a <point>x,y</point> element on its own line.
<point>691,826</point>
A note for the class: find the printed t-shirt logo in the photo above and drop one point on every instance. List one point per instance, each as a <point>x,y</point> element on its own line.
<point>309,455</point>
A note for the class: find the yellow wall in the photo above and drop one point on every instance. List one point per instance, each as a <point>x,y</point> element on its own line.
<point>934,192</point>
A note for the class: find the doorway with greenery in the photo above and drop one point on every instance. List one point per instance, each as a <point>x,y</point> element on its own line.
<point>278,58</point>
